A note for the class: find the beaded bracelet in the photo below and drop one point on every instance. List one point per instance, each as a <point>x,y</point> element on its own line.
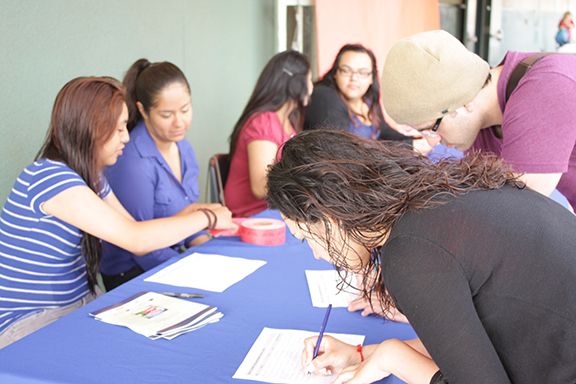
<point>359,350</point>
<point>208,213</point>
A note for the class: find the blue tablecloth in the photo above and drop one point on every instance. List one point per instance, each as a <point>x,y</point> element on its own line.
<point>78,349</point>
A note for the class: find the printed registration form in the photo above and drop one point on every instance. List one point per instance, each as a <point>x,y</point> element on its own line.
<point>275,357</point>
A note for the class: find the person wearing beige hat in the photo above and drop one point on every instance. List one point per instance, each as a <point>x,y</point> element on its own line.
<point>433,83</point>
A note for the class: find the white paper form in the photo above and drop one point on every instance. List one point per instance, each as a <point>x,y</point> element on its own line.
<point>323,286</point>
<point>208,272</point>
<point>275,357</point>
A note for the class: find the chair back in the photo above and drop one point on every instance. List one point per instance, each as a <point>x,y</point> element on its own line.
<point>218,169</point>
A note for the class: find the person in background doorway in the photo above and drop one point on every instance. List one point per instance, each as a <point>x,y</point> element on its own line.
<point>564,34</point>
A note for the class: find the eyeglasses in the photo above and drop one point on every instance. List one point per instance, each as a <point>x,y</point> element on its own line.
<point>437,124</point>
<point>362,73</point>
<point>431,132</point>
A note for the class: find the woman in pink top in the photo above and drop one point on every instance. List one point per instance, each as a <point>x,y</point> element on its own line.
<point>275,112</point>
<point>567,23</point>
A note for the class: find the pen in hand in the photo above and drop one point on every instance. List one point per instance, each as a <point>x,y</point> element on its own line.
<point>182,295</point>
<point>322,329</point>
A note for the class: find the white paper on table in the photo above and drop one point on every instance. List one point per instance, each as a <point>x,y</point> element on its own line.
<point>275,357</point>
<point>208,272</point>
<point>323,286</point>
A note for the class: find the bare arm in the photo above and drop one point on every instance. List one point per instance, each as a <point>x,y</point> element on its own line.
<point>407,360</point>
<point>391,357</point>
<point>418,346</point>
<point>81,207</point>
<point>113,202</point>
<point>545,183</point>
<point>261,153</point>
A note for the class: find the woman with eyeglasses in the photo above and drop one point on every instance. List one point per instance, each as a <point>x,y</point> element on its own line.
<point>483,267</point>
<point>274,113</point>
<point>348,98</point>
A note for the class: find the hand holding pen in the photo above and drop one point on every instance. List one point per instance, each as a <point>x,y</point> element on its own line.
<point>310,367</point>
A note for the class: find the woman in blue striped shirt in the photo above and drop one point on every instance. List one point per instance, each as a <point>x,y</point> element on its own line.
<point>61,206</point>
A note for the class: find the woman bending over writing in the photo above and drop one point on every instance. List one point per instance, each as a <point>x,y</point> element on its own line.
<point>482,267</point>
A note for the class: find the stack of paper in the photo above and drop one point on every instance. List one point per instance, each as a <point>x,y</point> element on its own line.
<point>158,316</point>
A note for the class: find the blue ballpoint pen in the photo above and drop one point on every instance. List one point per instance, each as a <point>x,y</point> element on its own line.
<point>322,329</point>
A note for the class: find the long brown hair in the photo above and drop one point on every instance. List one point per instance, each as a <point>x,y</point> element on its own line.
<point>329,176</point>
<point>84,117</point>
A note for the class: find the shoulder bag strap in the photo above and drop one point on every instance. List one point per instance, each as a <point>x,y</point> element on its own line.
<point>521,70</point>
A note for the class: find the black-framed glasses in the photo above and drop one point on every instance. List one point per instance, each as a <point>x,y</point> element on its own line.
<point>362,73</point>
<point>431,132</point>
<point>437,124</point>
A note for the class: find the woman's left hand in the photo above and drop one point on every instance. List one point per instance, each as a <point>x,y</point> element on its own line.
<point>196,206</point>
<point>369,371</point>
<point>392,357</point>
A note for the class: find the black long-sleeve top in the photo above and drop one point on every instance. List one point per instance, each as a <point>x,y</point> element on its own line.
<point>488,281</point>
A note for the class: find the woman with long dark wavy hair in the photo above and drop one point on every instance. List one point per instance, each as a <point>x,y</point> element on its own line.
<point>482,267</point>
<point>347,98</point>
<point>274,113</point>
<point>61,206</point>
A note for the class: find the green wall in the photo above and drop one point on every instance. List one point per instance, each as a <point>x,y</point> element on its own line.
<point>221,46</point>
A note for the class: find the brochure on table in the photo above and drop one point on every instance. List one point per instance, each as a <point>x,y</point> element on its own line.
<point>158,316</point>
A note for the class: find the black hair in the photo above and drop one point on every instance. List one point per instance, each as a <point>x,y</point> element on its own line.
<point>283,79</point>
<point>329,177</point>
<point>144,82</point>
<point>373,92</point>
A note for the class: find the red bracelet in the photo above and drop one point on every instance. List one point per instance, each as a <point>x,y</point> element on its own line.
<point>359,350</point>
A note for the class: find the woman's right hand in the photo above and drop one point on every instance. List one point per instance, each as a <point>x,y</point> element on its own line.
<point>224,218</point>
<point>333,356</point>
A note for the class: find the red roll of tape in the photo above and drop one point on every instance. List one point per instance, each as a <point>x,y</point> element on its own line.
<point>263,231</point>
